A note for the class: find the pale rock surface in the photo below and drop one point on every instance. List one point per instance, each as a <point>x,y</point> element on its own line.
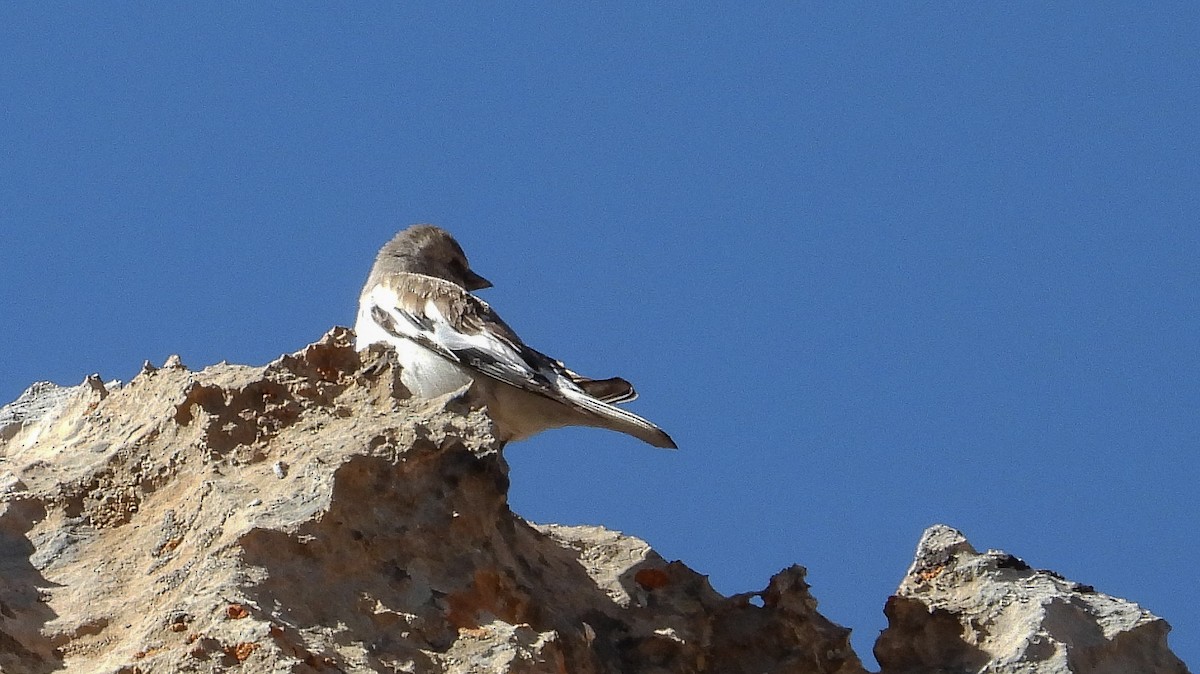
<point>958,610</point>
<point>311,516</point>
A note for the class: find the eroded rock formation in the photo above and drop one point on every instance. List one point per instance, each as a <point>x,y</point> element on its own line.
<point>310,516</point>
<point>958,610</point>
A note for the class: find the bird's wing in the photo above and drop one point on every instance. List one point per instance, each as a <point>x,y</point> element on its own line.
<point>460,327</point>
<point>613,390</point>
<point>449,321</point>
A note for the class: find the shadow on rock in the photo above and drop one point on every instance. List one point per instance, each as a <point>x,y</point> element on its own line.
<point>24,649</point>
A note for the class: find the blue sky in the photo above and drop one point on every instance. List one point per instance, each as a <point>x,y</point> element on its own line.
<point>874,266</point>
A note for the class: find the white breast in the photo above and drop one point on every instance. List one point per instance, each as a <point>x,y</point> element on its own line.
<point>424,373</point>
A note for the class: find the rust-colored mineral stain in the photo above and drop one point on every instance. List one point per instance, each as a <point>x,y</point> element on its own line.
<point>491,592</point>
<point>241,652</point>
<point>236,612</point>
<point>931,573</point>
<point>652,579</point>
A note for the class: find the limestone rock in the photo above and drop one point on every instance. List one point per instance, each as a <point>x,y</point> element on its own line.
<point>311,516</point>
<point>958,610</point>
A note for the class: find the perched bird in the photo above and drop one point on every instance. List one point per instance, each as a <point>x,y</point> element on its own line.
<point>417,301</point>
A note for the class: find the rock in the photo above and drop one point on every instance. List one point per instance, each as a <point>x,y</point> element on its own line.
<point>43,401</point>
<point>958,610</point>
<point>40,400</point>
<point>311,516</point>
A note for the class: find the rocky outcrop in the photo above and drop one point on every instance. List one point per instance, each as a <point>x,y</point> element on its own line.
<point>311,516</point>
<point>958,610</point>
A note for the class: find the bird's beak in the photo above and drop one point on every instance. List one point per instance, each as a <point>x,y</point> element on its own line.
<point>476,282</point>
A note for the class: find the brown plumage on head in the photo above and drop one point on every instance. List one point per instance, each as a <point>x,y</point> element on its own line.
<point>428,250</point>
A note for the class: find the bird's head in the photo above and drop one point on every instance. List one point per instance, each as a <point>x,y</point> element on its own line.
<point>430,250</point>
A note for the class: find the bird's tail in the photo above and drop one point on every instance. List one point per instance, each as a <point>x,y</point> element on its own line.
<point>616,419</point>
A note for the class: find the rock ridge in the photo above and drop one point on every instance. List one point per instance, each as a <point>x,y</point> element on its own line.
<point>991,612</point>
<point>310,515</point>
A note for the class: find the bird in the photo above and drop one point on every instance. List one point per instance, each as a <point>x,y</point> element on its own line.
<point>418,300</point>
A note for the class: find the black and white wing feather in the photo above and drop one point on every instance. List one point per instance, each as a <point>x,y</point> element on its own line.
<point>458,326</point>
